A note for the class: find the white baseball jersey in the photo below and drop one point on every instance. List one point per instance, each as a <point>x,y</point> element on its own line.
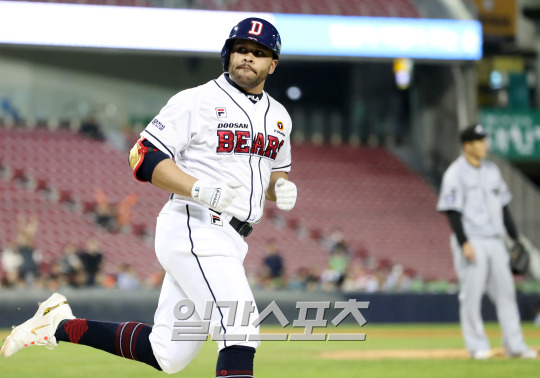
<point>479,194</point>
<point>215,133</point>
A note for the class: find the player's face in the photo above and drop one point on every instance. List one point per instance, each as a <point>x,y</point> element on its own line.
<point>250,64</point>
<point>478,148</point>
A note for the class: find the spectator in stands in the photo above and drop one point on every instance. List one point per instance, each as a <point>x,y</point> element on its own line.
<point>333,238</point>
<point>333,276</point>
<point>156,279</point>
<point>312,279</point>
<point>338,261</point>
<point>417,284</point>
<point>57,279</point>
<point>373,282</point>
<point>397,280</point>
<point>92,258</point>
<point>26,233</point>
<point>297,280</point>
<point>90,128</point>
<point>126,278</point>
<point>105,214</point>
<point>109,281</point>
<point>70,265</point>
<point>329,279</point>
<point>272,276</point>
<point>305,279</point>
<point>123,212</point>
<point>113,218</point>
<point>11,264</point>
<point>356,279</point>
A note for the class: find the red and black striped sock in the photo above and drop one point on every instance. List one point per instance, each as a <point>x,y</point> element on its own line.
<point>235,361</point>
<point>129,340</point>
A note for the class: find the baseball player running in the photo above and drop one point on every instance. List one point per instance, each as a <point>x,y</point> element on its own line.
<point>221,149</point>
<point>475,198</point>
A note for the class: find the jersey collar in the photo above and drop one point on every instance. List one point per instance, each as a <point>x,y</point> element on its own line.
<point>250,96</point>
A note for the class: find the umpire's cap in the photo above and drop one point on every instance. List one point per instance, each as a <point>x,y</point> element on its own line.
<point>472,133</point>
<point>255,29</point>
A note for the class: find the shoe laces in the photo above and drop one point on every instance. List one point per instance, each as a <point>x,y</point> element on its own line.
<point>40,342</point>
<point>44,343</point>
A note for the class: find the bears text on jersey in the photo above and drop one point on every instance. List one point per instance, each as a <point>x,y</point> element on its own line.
<point>240,142</point>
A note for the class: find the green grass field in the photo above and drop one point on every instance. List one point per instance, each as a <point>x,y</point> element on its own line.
<point>299,359</point>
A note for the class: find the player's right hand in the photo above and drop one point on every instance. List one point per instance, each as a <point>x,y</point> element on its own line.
<point>218,196</point>
<point>468,251</point>
<point>286,193</point>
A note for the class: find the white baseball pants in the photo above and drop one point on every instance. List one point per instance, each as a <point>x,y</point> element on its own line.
<point>203,259</point>
<point>490,272</point>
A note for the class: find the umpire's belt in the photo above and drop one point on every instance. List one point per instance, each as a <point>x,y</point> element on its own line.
<point>243,228</point>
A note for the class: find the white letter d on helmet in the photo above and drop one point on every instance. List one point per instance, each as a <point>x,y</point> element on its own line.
<point>256,28</point>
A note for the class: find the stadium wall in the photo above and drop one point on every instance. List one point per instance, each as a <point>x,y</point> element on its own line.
<point>118,305</point>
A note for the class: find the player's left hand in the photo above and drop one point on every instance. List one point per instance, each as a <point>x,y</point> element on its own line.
<point>218,196</point>
<point>468,251</point>
<point>285,194</point>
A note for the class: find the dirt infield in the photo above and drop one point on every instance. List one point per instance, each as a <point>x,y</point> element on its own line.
<point>404,354</point>
<point>420,353</point>
<point>396,353</point>
<point>433,333</point>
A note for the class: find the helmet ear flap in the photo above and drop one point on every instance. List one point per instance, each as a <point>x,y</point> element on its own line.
<point>226,54</point>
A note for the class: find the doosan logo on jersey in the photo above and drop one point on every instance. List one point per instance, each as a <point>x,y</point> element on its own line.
<point>233,126</point>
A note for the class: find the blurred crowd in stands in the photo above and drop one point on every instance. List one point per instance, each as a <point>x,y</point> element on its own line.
<point>83,264</point>
<point>345,271</point>
<point>80,266</point>
<point>23,267</point>
<point>348,271</point>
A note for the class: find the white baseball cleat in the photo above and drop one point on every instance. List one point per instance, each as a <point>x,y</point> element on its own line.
<point>40,329</point>
<point>482,354</point>
<point>529,354</point>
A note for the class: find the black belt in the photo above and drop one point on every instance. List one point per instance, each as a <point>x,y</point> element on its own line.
<point>243,228</point>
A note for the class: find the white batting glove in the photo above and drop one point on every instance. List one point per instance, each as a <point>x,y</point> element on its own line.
<point>218,196</point>
<point>285,194</point>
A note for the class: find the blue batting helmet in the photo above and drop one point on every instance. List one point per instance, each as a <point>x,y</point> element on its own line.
<point>255,29</point>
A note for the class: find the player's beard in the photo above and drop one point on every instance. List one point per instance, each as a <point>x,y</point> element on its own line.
<point>247,80</point>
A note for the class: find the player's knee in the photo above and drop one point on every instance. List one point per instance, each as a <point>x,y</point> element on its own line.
<point>171,368</point>
<point>173,357</point>
<point>170,363</point>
